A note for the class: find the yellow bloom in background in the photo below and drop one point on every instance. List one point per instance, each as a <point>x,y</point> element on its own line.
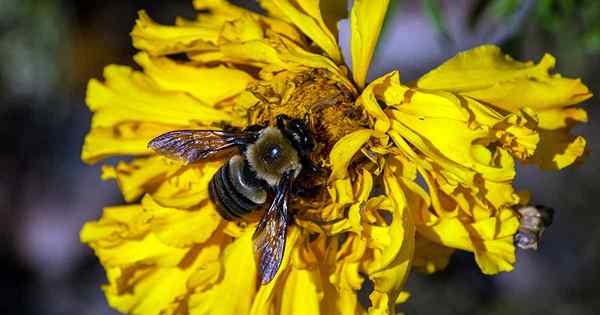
<point>412,171</point>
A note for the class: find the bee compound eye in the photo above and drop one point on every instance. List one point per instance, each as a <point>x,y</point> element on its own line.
<point>272,153</point>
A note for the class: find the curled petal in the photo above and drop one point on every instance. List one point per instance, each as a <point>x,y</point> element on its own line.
<point>344,150</point>
<point>306,15</point>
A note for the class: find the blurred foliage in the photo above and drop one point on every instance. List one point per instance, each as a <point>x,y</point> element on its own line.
<point>581,17</point>
<point>31,35</point>
<point>433,9</point>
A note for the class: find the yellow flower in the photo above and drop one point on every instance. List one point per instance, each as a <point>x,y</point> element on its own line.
<point>411,171</point>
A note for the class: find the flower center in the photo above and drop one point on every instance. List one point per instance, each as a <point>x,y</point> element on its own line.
<point>326,106</point>
<point>327,109</point>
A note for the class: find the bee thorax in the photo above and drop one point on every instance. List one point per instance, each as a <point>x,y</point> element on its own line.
<point>272,155</point>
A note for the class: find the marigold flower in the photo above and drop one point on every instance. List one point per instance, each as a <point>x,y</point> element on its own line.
<point>412,171</point>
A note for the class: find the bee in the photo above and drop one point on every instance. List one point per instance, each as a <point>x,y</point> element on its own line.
<point>263,159</point>
<point>534,220</point>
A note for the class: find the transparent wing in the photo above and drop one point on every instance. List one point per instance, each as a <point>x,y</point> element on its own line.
<point>194,145</point>
<point>270,234</point>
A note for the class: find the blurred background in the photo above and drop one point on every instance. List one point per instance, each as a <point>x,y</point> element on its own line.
<point>50,49</point>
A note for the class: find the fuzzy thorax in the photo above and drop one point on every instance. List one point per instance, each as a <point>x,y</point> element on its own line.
<point>272,155</point>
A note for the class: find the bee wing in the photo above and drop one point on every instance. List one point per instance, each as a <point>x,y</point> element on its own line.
<point>269,236</point>
<point>194,145</point>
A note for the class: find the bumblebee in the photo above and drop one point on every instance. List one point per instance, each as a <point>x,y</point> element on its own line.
<point>263,159</point>
<point>534,220</point>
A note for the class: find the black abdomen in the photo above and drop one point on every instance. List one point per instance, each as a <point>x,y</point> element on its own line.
<point>235,190</point>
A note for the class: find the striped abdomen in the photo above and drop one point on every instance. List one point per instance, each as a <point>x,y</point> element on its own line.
<point>235,190</point>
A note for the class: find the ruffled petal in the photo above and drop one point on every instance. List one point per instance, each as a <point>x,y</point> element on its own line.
<point>130,138</point>
<point>491,240</point>
<point>181,228</point>
<point>159,40</point>
<point>221,12</point>
<point>344,150</point>
<point>209,85</point>
<point>392,259</point>
<point>235,292</point>
<point>486,74</point>
<point>128,95</point>
<point>306,15</point>
<point>140,175</point>
<point>130,109</point>
<point>301,293</point>
<point>366,21</point>
<point>440,129</point>
<point>489,76</point>
<point>145,274</point>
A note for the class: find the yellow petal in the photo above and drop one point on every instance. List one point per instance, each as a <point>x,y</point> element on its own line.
<point>306,15</point>
<point>116,223</point>
<point>116,245</point>
<point>159,40</point>
<point>124,139</point>
<point>380,304</point>
<point>140,176</point>
<point>553,119</point>
<point>391,266</point>
<point>301,293</point>
<point>491,239</point>
<point>363,187</point>
<point>488,75</point>
<point>209,85</point>
<point>158,288</point>
<point>368,98</point>
<point>180,228</point>
<point>127,96</point>
<point>148,289</point>
<point>189,188</point>
<point>344,150</point>
<point>435,124</point>
<point>216,13</point>
<point>365,24</point>
<point>235,292</point>
<point>517,133</point>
